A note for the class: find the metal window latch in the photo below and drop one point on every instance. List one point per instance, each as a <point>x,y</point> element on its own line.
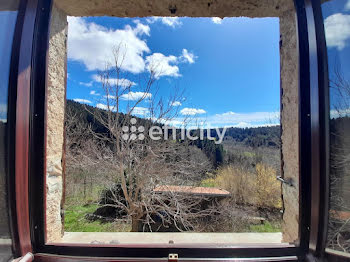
<point>288,182</point>
<point>173,258</point>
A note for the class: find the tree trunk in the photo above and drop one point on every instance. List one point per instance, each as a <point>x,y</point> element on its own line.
<point>84,187</point>
<point>135,224</point>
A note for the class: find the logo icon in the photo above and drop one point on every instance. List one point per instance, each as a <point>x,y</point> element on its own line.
<point>133,132</point>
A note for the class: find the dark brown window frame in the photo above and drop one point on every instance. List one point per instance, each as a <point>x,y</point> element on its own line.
<point>27,112</point>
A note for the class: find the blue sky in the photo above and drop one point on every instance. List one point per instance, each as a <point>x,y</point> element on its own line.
<point>336,16</point>
<point>8,21</point>
<point>233,79</point>
<point>227,69</point>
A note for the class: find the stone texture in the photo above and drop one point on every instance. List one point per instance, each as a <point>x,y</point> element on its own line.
<point>56,95</point>
<point>289,123</point>
<point>194,8</point>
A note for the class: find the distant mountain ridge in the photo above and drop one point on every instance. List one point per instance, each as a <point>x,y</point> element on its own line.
<point>267,136</point>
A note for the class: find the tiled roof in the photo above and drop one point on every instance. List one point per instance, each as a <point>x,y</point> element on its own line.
<point>341,215</point>
<point>193,190</point>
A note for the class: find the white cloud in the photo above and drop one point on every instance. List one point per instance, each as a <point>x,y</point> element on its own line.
<point>141,28</point>
<point>142,111</point>
<point>92,44</point>
<point>93,92</point>
<point>226,119</point>
<point>80,100</point>
<point>110,97</point>
<point>192,111</point>
<point>216,20</point>
<point>162,65</point>
<point>249,125</point>
<point>3,108</point>
<point>176,103</point>
<point>188,56</point>
<point>123,82</point>
<point>337,28</point>
<point>347,6</point>
<point>242,125</point>
<point>171,21</point>
<point>244,119</point>
<point>105,107</point>
<point>229,113</point>
<point>339,113</point>
<point>102,106</point>
<point>134,96</point>
<point>3,113</point>
<point>85,83</point>
<point>166,20</point>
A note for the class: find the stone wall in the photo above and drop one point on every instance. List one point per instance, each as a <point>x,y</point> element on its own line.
<point>195,8</point>
<point>56,95</point>
<point>289,124</point>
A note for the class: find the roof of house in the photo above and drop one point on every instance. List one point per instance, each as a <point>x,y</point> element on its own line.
<point>210,191</point>
<point>341,215</point>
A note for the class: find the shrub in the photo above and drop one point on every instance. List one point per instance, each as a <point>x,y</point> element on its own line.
<point>261,189</point>
<point>238,181</point>
<point>268,188</point>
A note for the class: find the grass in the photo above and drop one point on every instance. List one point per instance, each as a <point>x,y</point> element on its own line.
<point>76,209</point>
<point>209,182</point>
<point>249,154</point>
<point>267,227</point>
<point>76,196</point>
<point>74,221</point>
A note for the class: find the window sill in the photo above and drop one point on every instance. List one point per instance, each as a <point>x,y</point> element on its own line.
<point>140,238</point>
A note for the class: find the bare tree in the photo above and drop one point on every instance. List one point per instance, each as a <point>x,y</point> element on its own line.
<point>340,92</point>
<point>83,155</point>
<point>135,161</point>
<point>339,221</point>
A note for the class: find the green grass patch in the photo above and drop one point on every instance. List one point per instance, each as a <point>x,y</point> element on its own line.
<point>249,154</point>
<point>267,227</point>
<point>74,221</point>
<point>209,182</point>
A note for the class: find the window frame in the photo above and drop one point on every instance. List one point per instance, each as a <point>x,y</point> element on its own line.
<point>27,119</point>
